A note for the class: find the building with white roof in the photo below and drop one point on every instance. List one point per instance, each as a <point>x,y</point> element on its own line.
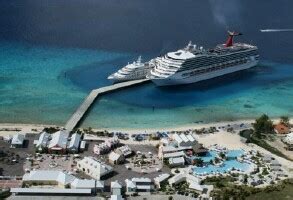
<point>102,148</point>
<point>58,142</point>
<point>159,179</point>
<point>42,142</point>
<point>171,151</point>
<point>116,191</point>
<point>116,188</point>
<point>116,158</point>
<point>176,162</point>
<point>125,150</point>
<point>139,185</point>
<point>93,167</point>
<point>113,142</point>
<point>183,140</point>
<point>59,182</point>
<point>82,145</point>
<point>194,182</point>
<point>178,140</point>
<point>181,177</point>
<point>17,140</point>
<point>73,145</point>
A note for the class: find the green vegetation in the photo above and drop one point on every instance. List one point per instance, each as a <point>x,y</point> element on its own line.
<point>285,120</point>
<point>262,131</point>
<point>275,192</point>
<point>262,143</point>
<point>4,194</point>
<point>51,129</point>
<point>198,162</point>
<point>177,171</point>
<point>183,189</point>
<point>225,189</point>
<point>263,125</point>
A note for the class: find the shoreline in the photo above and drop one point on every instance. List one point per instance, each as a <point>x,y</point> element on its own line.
<point>185,127</point>
<point>130,130</point>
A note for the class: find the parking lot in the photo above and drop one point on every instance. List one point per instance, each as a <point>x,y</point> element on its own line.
<point>12,160</point>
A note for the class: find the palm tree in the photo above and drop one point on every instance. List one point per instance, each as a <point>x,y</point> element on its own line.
<point>198,162</point>
<point>285,120</point>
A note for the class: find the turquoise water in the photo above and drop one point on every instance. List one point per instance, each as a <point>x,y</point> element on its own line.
<point>226,166</point>
<point>40,84</point>
<point>234,153</point>
<point>208,157</point>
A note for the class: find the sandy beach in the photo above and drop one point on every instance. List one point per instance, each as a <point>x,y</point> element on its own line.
<point>28,127</point>
<point>24,128</point>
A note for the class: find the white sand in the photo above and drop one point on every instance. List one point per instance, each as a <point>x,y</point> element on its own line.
<point>25,128</point>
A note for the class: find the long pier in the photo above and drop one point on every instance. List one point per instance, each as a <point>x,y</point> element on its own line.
<point>80,112</point>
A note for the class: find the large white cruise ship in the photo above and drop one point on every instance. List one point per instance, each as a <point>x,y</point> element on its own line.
<point>192,64</point>
<point>134,71</point>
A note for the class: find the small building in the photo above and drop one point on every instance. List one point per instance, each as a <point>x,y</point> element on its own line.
<point>101,149</point>
<point>17,141</point>
<point>144,185</point>
<point>58,142</point>
<point>82,145</point>
<point>183,140</point>
<point>181,177</point>
<point>116,158</point>
<point>159,179</point>
<point>281,129</point>
<point>59,183</point>
<point>73,145</point>
<point>167,151</point>
<point>42,142</point>
<point>177,162</point>
<point>116,188</point>
<point>93,167</point>
<point>116,192</point>
<point>112,143</point>
<point>94,185</point>
<point>199,150</point>
<point>125,150</point>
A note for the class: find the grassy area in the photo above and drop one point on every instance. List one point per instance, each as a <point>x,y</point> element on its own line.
<point>225,189</point>
<point>285,193</point>
<point>262,143</point>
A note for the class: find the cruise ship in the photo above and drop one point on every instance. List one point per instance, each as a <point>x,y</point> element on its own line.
<point>193,64</point>
<point>133,71</point>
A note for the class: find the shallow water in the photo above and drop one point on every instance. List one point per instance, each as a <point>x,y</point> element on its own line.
<point>41,84</point>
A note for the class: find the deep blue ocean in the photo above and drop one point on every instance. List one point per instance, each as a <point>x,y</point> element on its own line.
<point>52,53</point>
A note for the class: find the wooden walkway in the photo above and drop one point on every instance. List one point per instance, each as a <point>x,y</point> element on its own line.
<point>80,112</point>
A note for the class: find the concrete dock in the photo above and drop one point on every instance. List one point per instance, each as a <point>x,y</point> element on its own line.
<point>80,112</point>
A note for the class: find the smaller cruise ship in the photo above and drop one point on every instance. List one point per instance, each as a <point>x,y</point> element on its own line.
<point>133,71</point>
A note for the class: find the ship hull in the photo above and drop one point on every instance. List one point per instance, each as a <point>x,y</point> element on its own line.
<point>119,80</point>
<point>178,79</point>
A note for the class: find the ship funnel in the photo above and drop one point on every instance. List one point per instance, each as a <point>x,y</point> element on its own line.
<point>229,41</point>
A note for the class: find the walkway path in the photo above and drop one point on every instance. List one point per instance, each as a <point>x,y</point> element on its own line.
<point>80,112</point>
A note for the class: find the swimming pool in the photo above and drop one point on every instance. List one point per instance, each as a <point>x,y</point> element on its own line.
<point>227,165</point>
<point>208,157</point>
<point>234,153</point>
